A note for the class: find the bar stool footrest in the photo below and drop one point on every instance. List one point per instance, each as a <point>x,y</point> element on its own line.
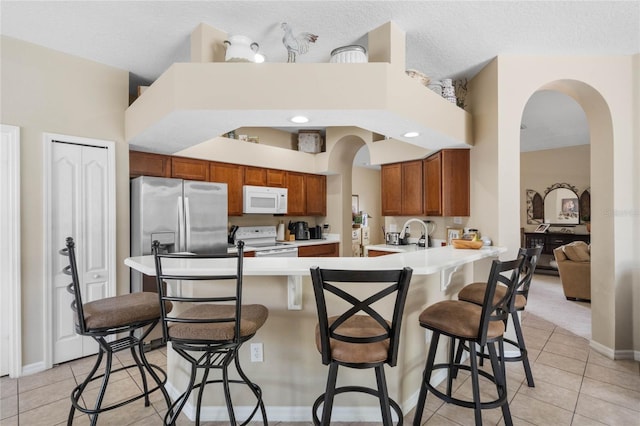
<point>374,392</point>
<point>178,400</point>
<point>76,394</point>
<point>462,402</point>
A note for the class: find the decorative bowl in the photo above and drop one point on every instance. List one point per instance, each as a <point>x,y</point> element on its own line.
<point>466,244</point>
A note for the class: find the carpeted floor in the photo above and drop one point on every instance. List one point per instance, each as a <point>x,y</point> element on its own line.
<point>546,300</point>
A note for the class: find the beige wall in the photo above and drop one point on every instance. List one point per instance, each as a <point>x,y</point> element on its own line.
<point>601,85</point>
<point>541,169</point>
<point>48,91</point>
<point>366,184</point>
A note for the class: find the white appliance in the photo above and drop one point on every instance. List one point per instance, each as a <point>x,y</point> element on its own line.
<point>264,200</point>
<point>182,215</point>
<point>262,239</point>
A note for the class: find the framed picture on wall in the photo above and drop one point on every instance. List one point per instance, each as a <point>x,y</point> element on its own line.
<point>453,234</point>
<point>542,228</point>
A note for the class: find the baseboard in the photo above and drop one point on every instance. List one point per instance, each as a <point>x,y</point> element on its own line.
<point>301,413</point>
<point>615,354</point>
<point>34,368</point>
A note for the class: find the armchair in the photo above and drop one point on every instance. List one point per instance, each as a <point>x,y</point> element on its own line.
<point>574,266</point>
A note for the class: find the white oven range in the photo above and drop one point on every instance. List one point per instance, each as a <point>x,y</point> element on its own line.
<point>262,239</point>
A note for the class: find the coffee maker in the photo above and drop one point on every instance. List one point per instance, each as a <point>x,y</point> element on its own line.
<point>300,230</point>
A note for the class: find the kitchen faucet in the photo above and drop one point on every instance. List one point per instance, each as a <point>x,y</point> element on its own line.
<point>422,222</point>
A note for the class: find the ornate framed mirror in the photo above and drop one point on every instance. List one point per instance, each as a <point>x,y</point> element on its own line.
<point>561,205</point>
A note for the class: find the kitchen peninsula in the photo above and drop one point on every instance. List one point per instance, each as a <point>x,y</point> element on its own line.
<point>292,375</point>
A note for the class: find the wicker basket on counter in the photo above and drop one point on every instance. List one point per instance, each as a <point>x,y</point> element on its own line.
<point>466,244</point>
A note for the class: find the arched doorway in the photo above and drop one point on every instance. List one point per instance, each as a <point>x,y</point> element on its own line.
<point>554,152</point>
<point>342,146</point>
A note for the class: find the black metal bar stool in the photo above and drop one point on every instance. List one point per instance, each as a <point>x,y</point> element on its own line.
<point>211,330</point>
<point>470,325</point>
<point>103,319</point>
<point>358,336</point>
<point>475,292</point>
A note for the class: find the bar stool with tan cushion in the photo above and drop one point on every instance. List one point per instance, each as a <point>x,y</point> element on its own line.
<point>103,320</point>
<point>470,325</point>
<point>354,334</point>
<point>475,292</point>
<point>210,326</point>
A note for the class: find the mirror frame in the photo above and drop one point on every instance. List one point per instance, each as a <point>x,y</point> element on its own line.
<point>571,188</point>
<point>535,208</point>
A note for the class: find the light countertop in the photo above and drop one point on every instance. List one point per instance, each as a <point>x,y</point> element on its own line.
<point>408,248</point>
<point>423,262</point>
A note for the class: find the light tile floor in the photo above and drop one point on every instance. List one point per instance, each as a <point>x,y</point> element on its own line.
<point>574,386</point>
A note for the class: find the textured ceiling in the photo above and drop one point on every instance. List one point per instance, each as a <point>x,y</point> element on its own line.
<point>452,39</point>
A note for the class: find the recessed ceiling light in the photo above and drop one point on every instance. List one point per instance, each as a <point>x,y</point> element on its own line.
<point>411,134</point>
<point>299,119</point>
<point>258,58</point>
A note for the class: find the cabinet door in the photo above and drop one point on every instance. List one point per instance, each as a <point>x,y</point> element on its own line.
<point>316,189</point>
<point>390,185</point>
<point>412,192</point>
<point>432,188</point>
<point>296,194</point>
<point>147,164</point>
<point>256,176</point>
<point>231,174</point>
<point>455,182</point>
<point>189,168</point>
<point>276,178</point>
<point>319,250</point>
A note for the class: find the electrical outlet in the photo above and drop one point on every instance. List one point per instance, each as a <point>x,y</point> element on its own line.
<point>427,336</point>
<point>457,220</point>
<point>256,352</point>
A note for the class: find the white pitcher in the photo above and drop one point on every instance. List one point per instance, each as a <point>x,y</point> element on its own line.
<point>240,49</point>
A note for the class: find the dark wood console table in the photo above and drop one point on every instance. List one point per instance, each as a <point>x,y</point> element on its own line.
<point>549,242</point>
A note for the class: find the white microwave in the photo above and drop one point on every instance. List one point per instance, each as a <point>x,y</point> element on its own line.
<point>264,200</point>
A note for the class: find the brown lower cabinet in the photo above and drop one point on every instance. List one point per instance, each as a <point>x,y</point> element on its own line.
<point>376,253</point>
<point>320,250</point>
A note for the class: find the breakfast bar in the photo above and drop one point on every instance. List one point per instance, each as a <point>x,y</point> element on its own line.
<point>291,374</point>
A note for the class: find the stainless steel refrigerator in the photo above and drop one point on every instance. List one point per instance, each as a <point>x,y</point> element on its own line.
<point>183,215</point>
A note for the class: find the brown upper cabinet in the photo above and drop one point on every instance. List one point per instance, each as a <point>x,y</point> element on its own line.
<point>256,176</point>
<point>231,174</point>
<point>189,168</point>
<point>307,192</point>
<point>148,164</point>
<point>296,194</point>
<point>259,176</point>
<point>447,183</point>
<point>402,191</point>
<point>316,189</point>
<point>276,178</point>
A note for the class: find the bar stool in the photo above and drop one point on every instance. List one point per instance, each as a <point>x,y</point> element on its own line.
<point>103,319</point>
<point>470,325</point>
<point>210,330</point>
<point>358,336</point>
<point>475,292</point>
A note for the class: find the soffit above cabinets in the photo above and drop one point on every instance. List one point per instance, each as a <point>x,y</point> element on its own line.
<point>194,102</point>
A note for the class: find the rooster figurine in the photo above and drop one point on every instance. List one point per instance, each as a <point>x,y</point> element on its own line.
<point>296,44</point>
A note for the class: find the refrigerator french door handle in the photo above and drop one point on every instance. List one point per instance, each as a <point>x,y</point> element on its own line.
<point>187,232</point>
<point>181,243</point>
